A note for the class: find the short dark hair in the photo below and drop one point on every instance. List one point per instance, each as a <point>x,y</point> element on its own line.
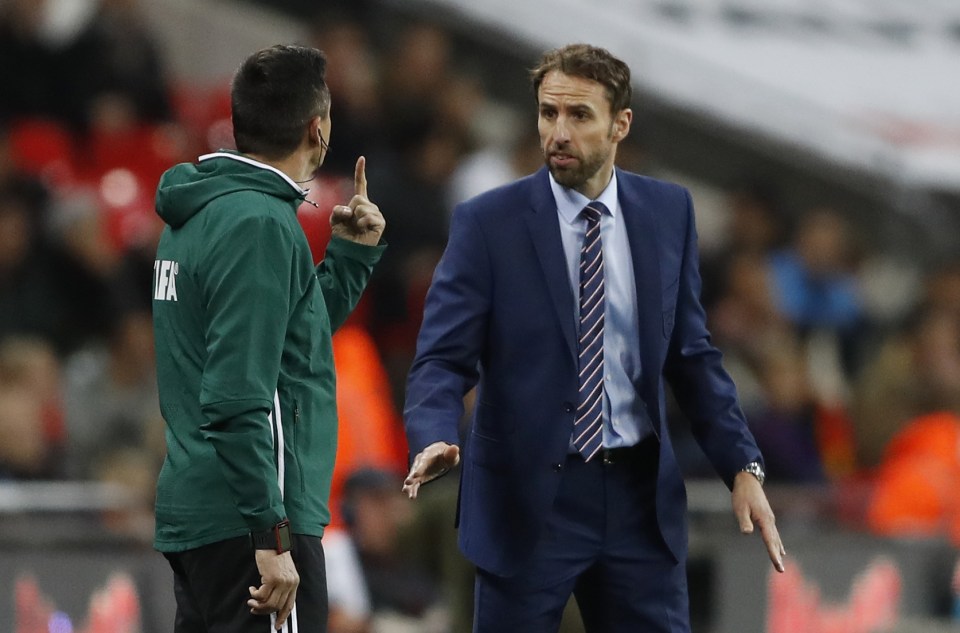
<point>589,62</point>
<point>365,480</point>
<point>275,93</point>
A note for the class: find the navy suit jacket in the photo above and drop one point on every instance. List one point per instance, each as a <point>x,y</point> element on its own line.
<point>500,314</point>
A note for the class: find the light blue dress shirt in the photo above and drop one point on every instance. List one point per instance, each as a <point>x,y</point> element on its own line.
<point>625,418</point>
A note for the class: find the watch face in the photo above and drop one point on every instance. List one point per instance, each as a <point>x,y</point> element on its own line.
<point>755,469</point>
<point>283,536</point>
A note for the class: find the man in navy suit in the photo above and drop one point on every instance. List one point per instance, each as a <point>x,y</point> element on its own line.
<point>570,297</point>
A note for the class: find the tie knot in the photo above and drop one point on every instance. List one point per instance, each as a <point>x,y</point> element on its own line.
<point>593,211</point>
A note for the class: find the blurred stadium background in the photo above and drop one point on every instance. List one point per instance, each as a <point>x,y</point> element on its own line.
<point>821,141</point>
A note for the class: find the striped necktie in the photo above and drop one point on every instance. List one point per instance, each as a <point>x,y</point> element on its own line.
<point>587,429</point>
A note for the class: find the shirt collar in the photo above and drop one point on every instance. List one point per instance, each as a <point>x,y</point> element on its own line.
<point>571,202</point>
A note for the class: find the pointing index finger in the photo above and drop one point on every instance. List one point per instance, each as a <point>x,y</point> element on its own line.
<point>360,177</point>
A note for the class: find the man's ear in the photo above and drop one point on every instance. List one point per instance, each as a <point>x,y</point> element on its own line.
<point>621,125</point>
<point>314,131</point>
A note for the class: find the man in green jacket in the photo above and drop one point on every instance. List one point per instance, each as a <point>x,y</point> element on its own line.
<point>243,323</point>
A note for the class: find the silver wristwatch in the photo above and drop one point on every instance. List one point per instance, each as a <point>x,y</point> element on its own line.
<point>755,469</point>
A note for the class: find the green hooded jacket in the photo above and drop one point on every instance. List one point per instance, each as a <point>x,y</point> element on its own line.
<point>243,325</point>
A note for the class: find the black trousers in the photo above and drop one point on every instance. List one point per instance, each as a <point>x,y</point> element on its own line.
<point>211,583</point>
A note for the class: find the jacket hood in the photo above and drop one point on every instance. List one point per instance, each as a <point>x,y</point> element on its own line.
<point>188,187</point>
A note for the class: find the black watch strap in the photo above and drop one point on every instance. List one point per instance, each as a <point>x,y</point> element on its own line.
<point>276,538</point>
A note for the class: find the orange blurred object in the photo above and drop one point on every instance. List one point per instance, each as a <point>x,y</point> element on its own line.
<point>916,491</point>
<point>370,431</point>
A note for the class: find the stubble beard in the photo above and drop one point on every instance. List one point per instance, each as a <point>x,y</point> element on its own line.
<point>575,177</point>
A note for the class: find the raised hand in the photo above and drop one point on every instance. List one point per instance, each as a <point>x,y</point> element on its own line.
<point>359,221</point>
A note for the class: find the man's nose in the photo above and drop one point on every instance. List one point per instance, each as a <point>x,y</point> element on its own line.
<point>560,131</point>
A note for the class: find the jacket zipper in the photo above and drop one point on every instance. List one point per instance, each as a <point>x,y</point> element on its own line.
<point>296,448</point>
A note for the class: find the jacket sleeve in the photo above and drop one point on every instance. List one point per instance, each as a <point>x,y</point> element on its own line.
<point>451,337</point>
<point>703,389</point>
<point>343,275</point>
<point>246,294</point>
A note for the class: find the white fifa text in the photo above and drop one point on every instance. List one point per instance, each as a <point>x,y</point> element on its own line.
<point>165,280</point>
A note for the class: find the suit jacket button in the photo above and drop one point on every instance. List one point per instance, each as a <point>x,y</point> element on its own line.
<point>568,407</point>
<point>558,467</point>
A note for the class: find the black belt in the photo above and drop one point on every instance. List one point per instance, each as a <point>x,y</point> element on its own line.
<point>646,449</point>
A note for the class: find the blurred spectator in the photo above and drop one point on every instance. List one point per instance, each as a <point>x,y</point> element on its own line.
<point>916,491</point>
<point>93,84</point>
<point>814,285</point>
<point>349,600</point>
<point>816,289</point>
<point>122,74</point>
<point>942,287</point>
<point>891,286</point>
<point>30,302</point>
<point>93,65</point>
<point>69,64</point>
<point>417,74</point>
<point>461,108</point>
<point>353,78</point>
<point>403,596</point>
<point>31,425</point>
<point>491,167</point>
<point>914,372</point>
<point>746,323</point>
<point>111,402</point>
<point>755,226</point>
<point>57,265</point>
<point>30,68</point>
<point>86,266</point>
<point>133,280</point>
<point>785,423</point>
<point>746,317</point>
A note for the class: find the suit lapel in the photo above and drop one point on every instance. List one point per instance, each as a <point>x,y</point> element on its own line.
<point>543,223</point>
<point>641,223</point>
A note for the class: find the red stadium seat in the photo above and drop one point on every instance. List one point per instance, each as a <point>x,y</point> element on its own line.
<point>146,150</point>
<point>44,148</point>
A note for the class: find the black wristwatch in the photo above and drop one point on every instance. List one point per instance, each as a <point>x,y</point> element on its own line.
<point>276,538</point>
